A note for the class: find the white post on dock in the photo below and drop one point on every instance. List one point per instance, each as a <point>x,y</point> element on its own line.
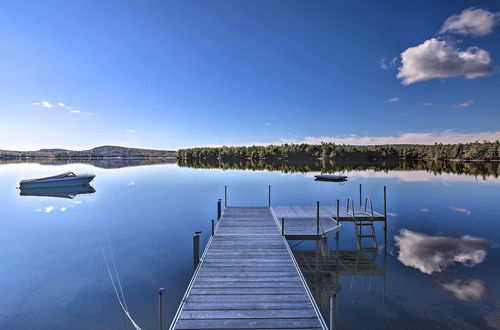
<point>161,292</point>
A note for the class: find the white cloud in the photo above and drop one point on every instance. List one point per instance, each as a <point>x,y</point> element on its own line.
<point>393,214</point>
<point>493,320</point>
<point>62,105</point>
<point>132,183</point>
<point>470,290</point>
<point>394,99</point>
<point>437,58</point>
<point>48,209</point>
<point>384,64</point>
<point>461,210</point>
<point>427,104</point>
<point>464,104</point>
<point>75,112</point>
<point>424,210</point>
<point>63,209</point>
<point>129,130</point>
<point>471,21</point>
<point>447,136</point>
<point>43,104</point>
<point>431,254</point>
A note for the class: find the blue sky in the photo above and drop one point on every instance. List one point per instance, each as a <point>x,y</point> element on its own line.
<point>170,74</point>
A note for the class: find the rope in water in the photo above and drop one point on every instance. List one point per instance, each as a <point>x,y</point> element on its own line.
<point>124,309</point>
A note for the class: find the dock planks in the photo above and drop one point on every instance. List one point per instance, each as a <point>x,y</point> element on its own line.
<point>247,279</point>
<point>324,212</point>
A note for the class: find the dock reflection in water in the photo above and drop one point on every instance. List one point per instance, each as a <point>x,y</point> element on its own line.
<point>61,192</point>
<point>322,269</point>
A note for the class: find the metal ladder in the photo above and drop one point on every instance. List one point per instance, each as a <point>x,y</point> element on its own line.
<point>360,223</point>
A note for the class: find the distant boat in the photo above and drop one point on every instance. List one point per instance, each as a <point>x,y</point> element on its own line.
<point>62,180</point>
<point>61,192</point>
<point>332,178</point>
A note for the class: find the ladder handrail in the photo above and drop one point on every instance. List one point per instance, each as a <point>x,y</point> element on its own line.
<point>371,205</point>
<point>352,202</point>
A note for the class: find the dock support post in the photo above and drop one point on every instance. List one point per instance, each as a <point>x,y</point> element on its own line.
<point>360,196</point>
<point>333,309</point>
<point>161,292</point>
<point>225,195</point>
<point>213,227</point>
<point>219,209</point>
<point>317,218</point>
<point>269,195</point>
<point>338,223</point>
<point>282,226</point>
<point>196,249</point>
<point>385,218</point>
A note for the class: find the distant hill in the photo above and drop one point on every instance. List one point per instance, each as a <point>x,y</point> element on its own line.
<point>101,152</point>
<point>53,150</point>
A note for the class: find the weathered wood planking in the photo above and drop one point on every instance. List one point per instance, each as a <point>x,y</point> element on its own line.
<point>324,212</point>
<point>247,279</point>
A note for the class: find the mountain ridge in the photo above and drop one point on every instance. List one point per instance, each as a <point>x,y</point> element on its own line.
<point>105,151</point>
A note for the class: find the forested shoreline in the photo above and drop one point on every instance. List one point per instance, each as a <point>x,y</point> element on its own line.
<point>487,151</point>
<point>478,169</point>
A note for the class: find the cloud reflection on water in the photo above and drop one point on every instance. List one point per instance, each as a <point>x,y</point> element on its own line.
<point>431,254</point>
<point>468,290</point>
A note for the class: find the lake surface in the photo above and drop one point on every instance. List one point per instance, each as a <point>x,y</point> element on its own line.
<point>441,270</point>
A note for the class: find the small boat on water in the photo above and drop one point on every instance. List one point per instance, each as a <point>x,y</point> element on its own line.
<point>62,180</point>
<point>332,178</point>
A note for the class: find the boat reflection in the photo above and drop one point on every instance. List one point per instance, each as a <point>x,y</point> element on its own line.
<point>60,192</point>
<point>323,268</point>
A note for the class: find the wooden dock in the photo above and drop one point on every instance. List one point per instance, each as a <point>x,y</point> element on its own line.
<point>248,278</point>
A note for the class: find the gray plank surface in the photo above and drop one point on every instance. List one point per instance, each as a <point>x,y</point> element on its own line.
<point>247,279</point>
<point>324,212</point>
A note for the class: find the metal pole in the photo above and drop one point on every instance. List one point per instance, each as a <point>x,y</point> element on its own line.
<point>338,222</point>
<point>225,196</point>
<point>385,218</point>
<point>161,292</point>
<point>219,208</point>
<point>282,226</point>
<point>333,307</point>
<point>317,218</point>
<point>269,195</point>
<point>196,248</point>
<point>213,226</point>
<point>360,196</point>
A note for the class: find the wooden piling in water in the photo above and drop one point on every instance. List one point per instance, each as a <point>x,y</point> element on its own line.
<point>219,208</point>
<point>161,292</point>
<point>196,249</point>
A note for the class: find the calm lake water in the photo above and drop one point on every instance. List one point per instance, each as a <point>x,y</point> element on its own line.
<point>442,269</point>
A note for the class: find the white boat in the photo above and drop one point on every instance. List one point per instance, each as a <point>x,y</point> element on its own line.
<point>62,180</point>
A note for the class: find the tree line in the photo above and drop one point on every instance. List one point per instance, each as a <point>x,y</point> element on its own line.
<point>460,151</point>
<point>477,169</point>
